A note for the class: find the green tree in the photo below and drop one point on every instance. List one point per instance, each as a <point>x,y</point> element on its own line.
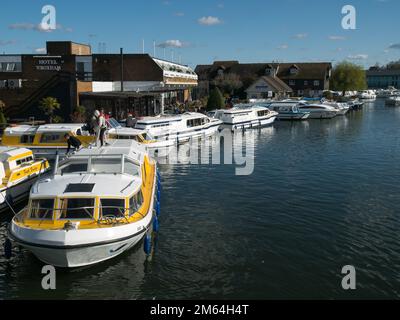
<point>228,83</point>
<point>79,114</point>
<point>48,105</point>
<point>3,120</point>
<point>215,100</point>
<point>347,76</point>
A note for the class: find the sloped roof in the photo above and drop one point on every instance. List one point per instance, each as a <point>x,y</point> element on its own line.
<point>277,83</point>
<point>307,70</point>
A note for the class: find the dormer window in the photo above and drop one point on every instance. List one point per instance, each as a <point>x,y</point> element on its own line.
<point>293,70</point>
<point>220,72</point>
<point>268,72</point>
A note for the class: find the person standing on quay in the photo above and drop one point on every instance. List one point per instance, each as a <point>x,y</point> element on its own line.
<point>102,128</point>
<point>96,126</point>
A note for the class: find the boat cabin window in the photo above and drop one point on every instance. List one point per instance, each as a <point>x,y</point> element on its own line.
<point>106,165</point>
<point>24,160</point>
<point>112,207</point>
<point>195,122</point>
<point>27,138</point>
<point>131,168</point>
<point>160,125</point>
<point>72,167</point>
<point>77,208</point>
<point>42,209</point>
<point>262,113</point>
<point>52,137</point>
<point>135,203</point>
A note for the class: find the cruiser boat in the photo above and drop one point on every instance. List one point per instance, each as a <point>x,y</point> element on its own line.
<point>179,128</point>
<point>341,107</point>
<point>48,140</point>
<point>245,116</point>
<point>97,204</point>
<point>288,110</point>
<point>393,101</point>
<point>118,132</point>
<point>318,111</point>
<point>18,171</point>
<point>367,95</point>
<point>45,140</point>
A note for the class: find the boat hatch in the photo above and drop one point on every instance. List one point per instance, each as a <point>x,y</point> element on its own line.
<point>79,187</point>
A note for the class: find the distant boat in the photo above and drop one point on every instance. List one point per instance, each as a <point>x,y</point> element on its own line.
<point>318,111</point>
<point>367,95</point>
<point>393,101</point>
<point>244,116</point>
<point>179,128</point>
<point>287,110</point>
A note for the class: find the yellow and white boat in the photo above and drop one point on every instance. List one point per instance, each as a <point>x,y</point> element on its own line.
<point>98,203</point>
<point>45,140</point>
<point>48,140</point>
<point>18,171</point>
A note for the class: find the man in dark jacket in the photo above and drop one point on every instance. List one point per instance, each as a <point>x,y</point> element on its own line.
<point>72,142</point>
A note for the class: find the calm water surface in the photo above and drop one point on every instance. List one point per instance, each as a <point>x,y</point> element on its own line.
<point>323,194</point>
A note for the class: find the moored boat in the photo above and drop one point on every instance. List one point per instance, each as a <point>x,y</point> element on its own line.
<point>318,111</point>
<point>98,203</point>
<point>179,128</point>
<point>18,171</point>
<point>245,116</point>
<point>287,110</point>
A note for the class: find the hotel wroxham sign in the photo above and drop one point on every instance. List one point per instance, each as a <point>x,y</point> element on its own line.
<point>48,64</point>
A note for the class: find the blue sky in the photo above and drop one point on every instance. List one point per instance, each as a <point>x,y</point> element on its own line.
<point>201,31</point>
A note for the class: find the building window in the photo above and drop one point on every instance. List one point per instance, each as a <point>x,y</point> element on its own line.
<point>306,82</point>
<point>293,70</point>
<point>316,83</point>
<point>220,72</point>
<point>292,82</point>
<point>10,67</point>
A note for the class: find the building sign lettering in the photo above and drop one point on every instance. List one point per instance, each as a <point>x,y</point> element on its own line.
<point>48,65</point>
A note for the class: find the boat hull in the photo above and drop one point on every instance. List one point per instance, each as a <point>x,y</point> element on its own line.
<point>84,256</point>
<point>257,123</point>
<point>293,116</point>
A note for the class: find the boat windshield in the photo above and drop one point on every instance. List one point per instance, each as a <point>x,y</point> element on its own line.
<point>100,164</point>
<point>114,123</point>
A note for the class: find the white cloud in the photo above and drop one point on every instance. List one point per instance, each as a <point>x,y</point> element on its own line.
<point>283,47</point>
<point>36,27</point>
<point>358,57</point>
<point>173,44</point>
<point>209,21</point>
<point>300,35</point>
<point>40,50</point>
<point>394,46</point>
<point>179,14</point>
<point>337,38</point>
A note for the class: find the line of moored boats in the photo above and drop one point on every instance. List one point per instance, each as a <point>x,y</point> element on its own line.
<point>93,204</point>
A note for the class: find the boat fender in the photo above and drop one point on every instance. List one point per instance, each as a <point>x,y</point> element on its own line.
<point>147,244</point>
<point>158,195</point>
<point>156,224</point>
<point>158,208</point>
<point>7,249</point>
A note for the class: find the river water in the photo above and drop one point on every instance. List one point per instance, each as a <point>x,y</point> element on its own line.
<point>323,194</point>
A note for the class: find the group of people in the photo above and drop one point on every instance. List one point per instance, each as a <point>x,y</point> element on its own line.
<point>96,125</point>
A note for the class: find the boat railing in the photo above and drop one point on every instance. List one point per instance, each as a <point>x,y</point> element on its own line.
<point>120,213</point>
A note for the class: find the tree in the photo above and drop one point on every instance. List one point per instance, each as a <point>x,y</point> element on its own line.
<point>3,120</point>
<point>347,76</point>
<point>228,83</point>
<point>79,114</point>
<point>215,100</point>
<point>48,105</point>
